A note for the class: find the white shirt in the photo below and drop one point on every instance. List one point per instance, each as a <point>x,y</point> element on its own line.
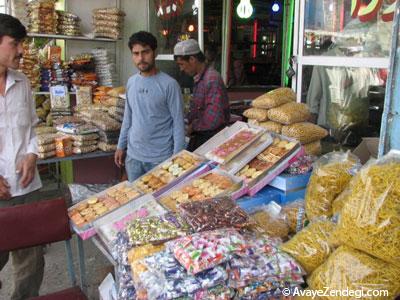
<point>17,137</point>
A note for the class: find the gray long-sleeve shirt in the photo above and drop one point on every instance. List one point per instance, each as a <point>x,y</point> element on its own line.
<point>153,125</point>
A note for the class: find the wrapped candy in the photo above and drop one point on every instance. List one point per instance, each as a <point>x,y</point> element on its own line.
<point>156,229</point>
<point>205,250</point>
<point>213,213</point>
<point>165,278</point>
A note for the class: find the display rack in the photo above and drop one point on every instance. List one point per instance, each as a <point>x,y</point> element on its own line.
<point>70,37</point>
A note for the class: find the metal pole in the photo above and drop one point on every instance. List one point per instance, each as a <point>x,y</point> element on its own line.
<point>392,89</point>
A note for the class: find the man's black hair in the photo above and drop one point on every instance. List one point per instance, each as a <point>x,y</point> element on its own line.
<point>12,27</point>
<point>199,56</point>
<point>143,38</point>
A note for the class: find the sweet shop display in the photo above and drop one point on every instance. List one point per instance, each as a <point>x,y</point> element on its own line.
<point>42,16</point>
<point>94,207</point>
<point>268,159</point>
<point>107,22</point>
<point>206,186</point>
<point>105,67</point>
<point>178,166</point>
<point>213,213</point>
<point>29,64</point>
<point>68,23</point>
<point>227,150</point>
<point>156,229</point>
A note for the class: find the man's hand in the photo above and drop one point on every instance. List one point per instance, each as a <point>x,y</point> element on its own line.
<point>189,130</point>
<point>4,189</point>
<point>26,167</point>
<point>119,157</point>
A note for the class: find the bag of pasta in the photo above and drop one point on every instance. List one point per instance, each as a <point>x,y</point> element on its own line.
<point>314,148</point>
<point>274,98</point>
<point>331,175</point>
<point>258,114</point>
<point>305,132</point>
<point>310,246</point>
<point>289,113</point>
<point>370,219</point>
<point>271,126</point>
<point>350,269</point>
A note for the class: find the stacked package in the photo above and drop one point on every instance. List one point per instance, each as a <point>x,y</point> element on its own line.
<point>83,70</point>
<point>29,64</point>
<point>107,22</point>
<point>277,111</point>
<point>60,102</point>
<point>109,128</point>
<point>42,16</point>
<point>53,71</point>
<point>105,67</point>
<point>115,104</point>
<point>46,141</point>
<point>18,10</point>
<point>43,107</point>
<point>68,24</point>
<point>84,136</point>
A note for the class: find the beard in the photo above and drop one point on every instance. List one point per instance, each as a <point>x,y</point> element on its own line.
<point>145,67</point>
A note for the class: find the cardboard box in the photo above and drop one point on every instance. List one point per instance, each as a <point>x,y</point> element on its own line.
<point>366,149</point>
<point>287,182</point>
<point>263,197</point>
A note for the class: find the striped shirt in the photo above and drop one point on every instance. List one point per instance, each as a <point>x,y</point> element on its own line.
<point>209,108</point>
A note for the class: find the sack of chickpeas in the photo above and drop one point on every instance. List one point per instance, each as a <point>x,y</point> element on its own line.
<point>304,132</point>
<point>258,114</point>
<point>289,113</point>
<point>274,98</point>
<point>313,148</point>
<point>271,126</point>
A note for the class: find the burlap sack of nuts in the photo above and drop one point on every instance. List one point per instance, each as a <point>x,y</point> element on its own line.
<point>289,113</point>
<point>304,132</point>
<point>274,98</point>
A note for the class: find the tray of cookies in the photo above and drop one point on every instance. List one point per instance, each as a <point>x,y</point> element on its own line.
<point>211,184</point>
<point>84,213</point>
<point>270,162</point>
<point>236,164</point>
<point>228,143</point>
<point>169,172</point>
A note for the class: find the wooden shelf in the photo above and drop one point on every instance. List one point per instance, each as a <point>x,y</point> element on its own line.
<point>69,37</point>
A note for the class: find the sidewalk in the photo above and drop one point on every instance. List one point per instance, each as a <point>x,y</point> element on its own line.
<point>56,275</point>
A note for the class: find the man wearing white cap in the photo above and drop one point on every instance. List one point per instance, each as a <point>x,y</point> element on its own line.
<point>209,108</point>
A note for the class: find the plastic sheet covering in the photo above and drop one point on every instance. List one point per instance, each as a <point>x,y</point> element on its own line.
<point>370,219</point>
<point>351,269</point>
<point>331,175</point>
<point>310,246</point>
<point>81,192</point>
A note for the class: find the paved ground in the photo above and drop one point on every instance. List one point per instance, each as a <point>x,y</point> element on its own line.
<point>56,276</point>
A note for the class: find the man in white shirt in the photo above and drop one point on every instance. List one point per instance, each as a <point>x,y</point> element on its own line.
<point>19,178</point>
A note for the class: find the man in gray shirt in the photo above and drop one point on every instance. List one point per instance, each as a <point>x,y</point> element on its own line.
<point>153,125</point>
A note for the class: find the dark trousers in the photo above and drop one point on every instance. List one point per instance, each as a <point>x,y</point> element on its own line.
<point>198,138</point>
